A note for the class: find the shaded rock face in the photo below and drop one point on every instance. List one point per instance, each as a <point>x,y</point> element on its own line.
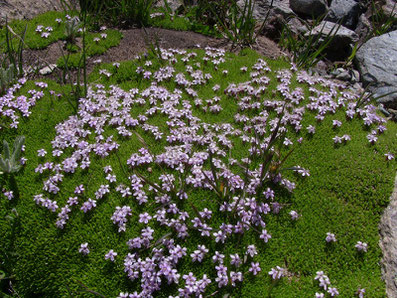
<point>309,7</point>
<point>363,27</point>
<point>346,11</point>
<point>26,9</point>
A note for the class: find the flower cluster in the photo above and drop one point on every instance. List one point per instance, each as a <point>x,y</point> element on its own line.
<point>119,217</point>
<point>11,104</point>
<point>44,31</point>
<point>325,283</point>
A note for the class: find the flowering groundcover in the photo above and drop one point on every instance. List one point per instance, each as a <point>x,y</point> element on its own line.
<point>121,197</point>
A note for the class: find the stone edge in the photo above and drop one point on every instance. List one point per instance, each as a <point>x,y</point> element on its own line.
<point>388,244</point>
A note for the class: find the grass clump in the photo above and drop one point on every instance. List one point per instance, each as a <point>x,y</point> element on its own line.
<point>146,112</point>
<point>96,44</point>
<point>120,13</point>
<point>42,30</point>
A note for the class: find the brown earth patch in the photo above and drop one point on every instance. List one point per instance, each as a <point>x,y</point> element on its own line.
<point>137,41</point>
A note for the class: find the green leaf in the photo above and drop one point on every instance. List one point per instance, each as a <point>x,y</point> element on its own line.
<point>8,166</point>
<point>6,150</point>
<point>2,164</point>
<point>18,143</point>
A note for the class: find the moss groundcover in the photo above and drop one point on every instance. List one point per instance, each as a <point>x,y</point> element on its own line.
<point>163,182</point>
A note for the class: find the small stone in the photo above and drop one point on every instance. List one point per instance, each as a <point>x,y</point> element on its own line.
<point>321,68</point>
<point>344,76</point>
<point>47,70</point>
<point>355,76</point>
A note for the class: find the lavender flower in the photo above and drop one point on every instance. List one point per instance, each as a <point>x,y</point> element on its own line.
<point>277,273</point>
<point>294,215</point>
<point>144,218</point>
<point>333,292</point>
<point>41,153</point>
<point>360,293</point>
<point>336,123</point>
<point>330,237</point>
<point>251,250</point>
<point>84,249</point>
<point>372,138</point>
<point>337,139</point>
<point>235,260</point>
<point>79,189</point>
<point>88,205</point>
<point>361,246</point>
<point>8,194</point>
<point>346,138</point>
<point>111,255</point>
<point>265,236</point>
<point>254,268</point>
<point>311,129</point>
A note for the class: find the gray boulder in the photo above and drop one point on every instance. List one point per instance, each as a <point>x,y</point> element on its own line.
<point>280,7</point>
<point>263,8</point>
<point>277,15</point>
<point>377,60</point>
<point>346,11</point>
<point>26,9</point>
<point>340,46</point>
<point>172,4</point>
<point>388,244</point>
<point>313,8</point>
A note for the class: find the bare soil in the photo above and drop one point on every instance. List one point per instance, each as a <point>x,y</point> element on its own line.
<point>138,41</point>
